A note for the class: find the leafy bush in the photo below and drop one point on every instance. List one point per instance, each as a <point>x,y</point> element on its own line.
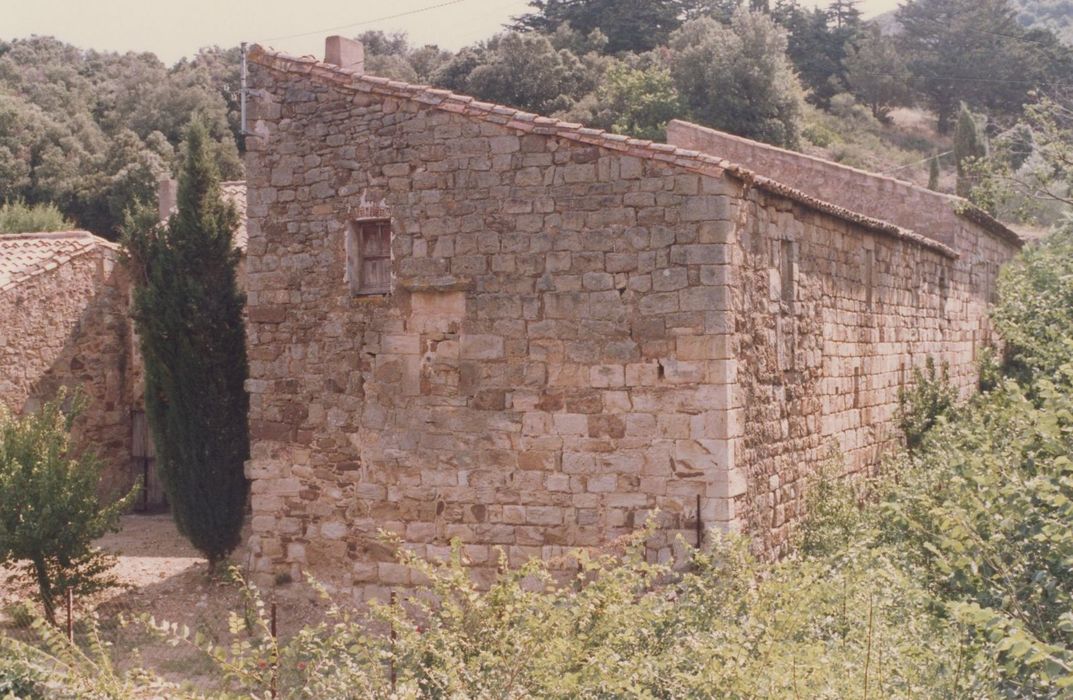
<point>49,510</point>
<point>737,78</point>
<point>58,669</point>
<point>19,217</point>
<point>930,398</point>
<point>639,101</point>
<point>715,624</point>
<point>832,512</point>
<point>988,505</point>
<point>1035,311</point>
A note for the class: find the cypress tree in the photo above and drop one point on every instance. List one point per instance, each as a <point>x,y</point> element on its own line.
<point>188,313</point>
<point>969,146</point>
<point>933,173</point>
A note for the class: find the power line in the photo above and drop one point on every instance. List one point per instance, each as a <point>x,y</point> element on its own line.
<point>365,22</point>
<point>918,162</point>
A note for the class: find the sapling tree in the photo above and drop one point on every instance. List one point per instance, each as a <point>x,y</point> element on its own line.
<point>50,512</point>
<point>188,312</point>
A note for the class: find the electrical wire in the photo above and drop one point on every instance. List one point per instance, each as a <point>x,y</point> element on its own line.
<point>918,162</point>
<point>365,22</point>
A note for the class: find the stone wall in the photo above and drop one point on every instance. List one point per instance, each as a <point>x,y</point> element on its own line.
<point>582,329</point>
<point>69,326</point>
<point>820,365</point>
<point>550,368</point>
<point>930,213</point>
<point>819,368</point>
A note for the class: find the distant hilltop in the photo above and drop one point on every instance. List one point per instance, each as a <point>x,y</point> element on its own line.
<point>1056,15</point>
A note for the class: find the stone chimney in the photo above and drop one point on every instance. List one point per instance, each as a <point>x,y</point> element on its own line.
<point>345,53</point>
<point>167,192</point>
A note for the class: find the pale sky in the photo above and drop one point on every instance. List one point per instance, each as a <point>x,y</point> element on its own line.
<point>176,28</point>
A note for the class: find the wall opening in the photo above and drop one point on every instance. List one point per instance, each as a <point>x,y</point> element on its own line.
<point>869,277</point>
<point>786,270</point>
<point>368,256</point>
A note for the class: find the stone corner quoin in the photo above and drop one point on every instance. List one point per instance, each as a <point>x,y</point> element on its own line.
<point>579,330</point>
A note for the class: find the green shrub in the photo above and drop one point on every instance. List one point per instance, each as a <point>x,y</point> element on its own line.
<point>57,669</point>
<point>819,135</point>
<point>986,506</point>
<point>714,624</point>
<point>49,510</point>
<point>19,217</point>
<point>929,398</point>
<point>832,512</point>
<point>1034,314</point>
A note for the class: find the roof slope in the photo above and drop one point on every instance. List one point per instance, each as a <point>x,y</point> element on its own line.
<point>527,122</point>
<point>24,255</point>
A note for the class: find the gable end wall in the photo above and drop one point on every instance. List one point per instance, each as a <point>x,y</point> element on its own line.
<point>551,368</point>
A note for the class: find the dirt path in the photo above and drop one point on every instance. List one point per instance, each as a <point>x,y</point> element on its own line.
<point>161,575</point>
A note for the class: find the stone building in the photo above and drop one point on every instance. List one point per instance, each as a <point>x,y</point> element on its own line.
<point>471,322</point>
<point>65,321</point>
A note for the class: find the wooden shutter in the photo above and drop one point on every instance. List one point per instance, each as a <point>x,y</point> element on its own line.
<point>374,250</point>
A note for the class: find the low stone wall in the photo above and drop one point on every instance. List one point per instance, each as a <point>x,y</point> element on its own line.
<point>820,363</point>
<point>69,326</point>
<point>929,213</point>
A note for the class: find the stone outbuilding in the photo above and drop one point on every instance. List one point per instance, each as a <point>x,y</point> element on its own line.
<point>65,321</point>
<point>471,322</point>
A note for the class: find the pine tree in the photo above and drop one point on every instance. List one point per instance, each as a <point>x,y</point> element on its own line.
<point>189,316</point>
<point>933,174</point>
<point>969,146</point>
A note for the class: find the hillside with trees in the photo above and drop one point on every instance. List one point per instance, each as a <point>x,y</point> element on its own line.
<point>91,132</point>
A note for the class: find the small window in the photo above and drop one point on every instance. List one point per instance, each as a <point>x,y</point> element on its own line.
<point>369,257</point>
<point>786,269</point>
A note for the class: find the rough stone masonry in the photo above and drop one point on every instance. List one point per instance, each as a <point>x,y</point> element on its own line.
<point>471,322</point>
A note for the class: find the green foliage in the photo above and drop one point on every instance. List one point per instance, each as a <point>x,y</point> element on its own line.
<point>975,51</point>
<point>877,74</point>
<point>1029,174</point>
<point>55,668</point>
<point>929,398</point>
<point>1035,311</point>
<point>714,624</point>
<point>970,146</point>
<point>49,509</point>
<point>189,317</point>
<point>820,39</point>
<point>637,101</point>
<point>629,25</point>
<point>933,174</point>
<point>19,217</point>
<point>738,78</point>
<point>91,132</point>
<point>987,504</point>
<point>832,512</point>
<point>521,70</point>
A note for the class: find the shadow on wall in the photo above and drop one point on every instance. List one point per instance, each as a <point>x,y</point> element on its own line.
<point>97,356</point>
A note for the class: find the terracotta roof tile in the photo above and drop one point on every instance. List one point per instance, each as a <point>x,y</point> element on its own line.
<point>25,255</point>
<point>531,123</point>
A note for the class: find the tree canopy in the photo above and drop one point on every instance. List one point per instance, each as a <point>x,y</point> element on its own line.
<point>92,132</point>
